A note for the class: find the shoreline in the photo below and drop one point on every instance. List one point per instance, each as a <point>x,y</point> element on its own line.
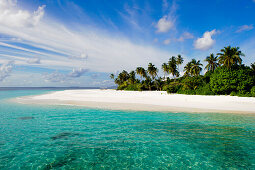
<point>144,101</point>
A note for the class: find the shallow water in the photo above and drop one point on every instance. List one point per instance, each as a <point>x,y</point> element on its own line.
<point>69,137</point>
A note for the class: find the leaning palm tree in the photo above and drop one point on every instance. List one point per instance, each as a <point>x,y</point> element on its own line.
<point>179,61</point>
<point>112,76</point>
<point>165,69</point>
<point>152,71</point>
<point>230,56</point>
<point>195,67</point>
<point>212,62</point>
<point>141,71</point>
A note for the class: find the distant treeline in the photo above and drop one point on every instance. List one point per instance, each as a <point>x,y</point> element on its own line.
<point>225,75</point>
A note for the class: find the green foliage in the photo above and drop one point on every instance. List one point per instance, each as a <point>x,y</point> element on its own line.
<point>186,91</point>
<point>152,71</point>
<point>204,90</point>
<point>172,66</point>
<point>192,83</point>
<point>228,78</point>
<point>172,88</point>
<point>212,63</point>
<point>133,87</point>
<point>230,56</point>
<point>239,79</point>
<point>252,91</point>
<point>122,86</point>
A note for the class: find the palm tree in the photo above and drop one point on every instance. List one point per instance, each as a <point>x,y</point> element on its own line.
<point>132,77</point>
<point>165,69</point>
<point>179,61</point>
<point>148,83</point>
<point>212,62</point>
<point>195,67</point>
<point>112,76</point>
<point>187,69</point>
<point>123,76</point>
<point>159,83</point>
<point>152,71</point>
<point>172,66</point>
<point>141,71</point>
<point>230,56</point>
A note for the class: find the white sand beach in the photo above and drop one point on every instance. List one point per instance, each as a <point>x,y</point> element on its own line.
<point>145,101</point>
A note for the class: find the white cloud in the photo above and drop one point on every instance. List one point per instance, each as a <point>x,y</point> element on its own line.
<point>34,61</point>
<point>78,72</point>
<point>164,24</point>
<point>167,41</point>
<point>55,77</point>
<point>245,28</point>
<point>206,42</point>
<point>5,70</point>
<point>11,16</point>
<point>83,56</point>
<point>185,36</point>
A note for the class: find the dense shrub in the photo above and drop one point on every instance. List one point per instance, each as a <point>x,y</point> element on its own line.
<point>252,91</point>
<point>133,87</point>
<point>192,83</point>
<point>122,86</point>
<point>225,81</point>
<point>204,90</point>
<point>186,91</point>
<point>172,88</point>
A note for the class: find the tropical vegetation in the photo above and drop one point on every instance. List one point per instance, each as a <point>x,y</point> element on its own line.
<point>225,74</point>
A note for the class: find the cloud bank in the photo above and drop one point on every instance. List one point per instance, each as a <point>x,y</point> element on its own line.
<point>62,48</point>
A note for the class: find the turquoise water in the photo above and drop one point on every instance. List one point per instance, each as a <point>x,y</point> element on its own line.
<point>68,137</point>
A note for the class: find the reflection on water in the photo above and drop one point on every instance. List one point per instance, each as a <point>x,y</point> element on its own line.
<point>78,138</point>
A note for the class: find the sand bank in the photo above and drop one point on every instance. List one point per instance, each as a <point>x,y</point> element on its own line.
<point>145,101</point>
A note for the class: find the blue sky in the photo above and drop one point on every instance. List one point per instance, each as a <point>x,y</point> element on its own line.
<point>79,43</point>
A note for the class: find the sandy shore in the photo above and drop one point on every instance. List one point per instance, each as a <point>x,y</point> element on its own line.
<point>145,101</point>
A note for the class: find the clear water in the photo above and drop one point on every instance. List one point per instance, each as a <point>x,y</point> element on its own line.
<point>68,137</point>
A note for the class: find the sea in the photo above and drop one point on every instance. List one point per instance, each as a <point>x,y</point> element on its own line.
<point>74,137</point>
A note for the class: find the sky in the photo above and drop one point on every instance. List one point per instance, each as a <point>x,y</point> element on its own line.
<point>63,43</point>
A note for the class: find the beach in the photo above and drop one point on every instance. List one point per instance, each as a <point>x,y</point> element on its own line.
<point>144,101</point>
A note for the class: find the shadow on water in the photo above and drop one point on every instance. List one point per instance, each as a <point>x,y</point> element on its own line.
<point>64,135</point>
<point>26,118</point>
